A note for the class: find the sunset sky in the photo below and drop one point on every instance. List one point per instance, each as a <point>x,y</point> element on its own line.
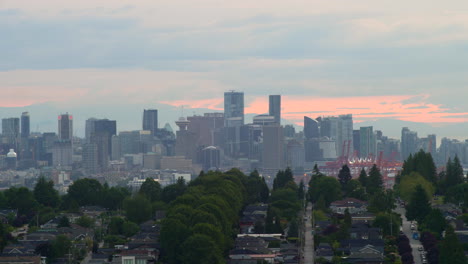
<point>403,60</point>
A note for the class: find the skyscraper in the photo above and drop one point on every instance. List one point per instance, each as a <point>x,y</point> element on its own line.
<point>367,142</point>
<point>25,131</point>
<point>312,140</point>
<point>311,128</point>
<point>275,107</point>
<point>409,142</point>
<point>150,120</point>
<point>25,125</point>
<point>273,149</point>
<point>339,129</point>
<point>65,127</point>
<point>233,109</point>
<point>10,130</point>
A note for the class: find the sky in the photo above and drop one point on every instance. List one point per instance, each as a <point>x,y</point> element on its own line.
<point>379,60</point>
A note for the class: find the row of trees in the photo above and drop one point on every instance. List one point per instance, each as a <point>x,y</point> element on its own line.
<point>284,204</point>
<point>417,184</point>
<point>201,223</point>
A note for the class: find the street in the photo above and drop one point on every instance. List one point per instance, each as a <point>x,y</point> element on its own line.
<point>415,244</point>
<point>308,238</point>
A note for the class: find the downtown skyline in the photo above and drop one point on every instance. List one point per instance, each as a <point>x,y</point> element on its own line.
<point>391,63</point>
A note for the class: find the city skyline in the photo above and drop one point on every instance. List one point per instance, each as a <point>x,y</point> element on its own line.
<point>379,61</point>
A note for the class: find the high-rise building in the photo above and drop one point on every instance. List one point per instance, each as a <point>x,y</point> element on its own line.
<point>311,128</point>
<point>65,127</point>
<point>25,125</point>
<point>150,120</point>
<point>205,127</point>
<point>367,142</point>
<point>10,130</point>
<point>233,109</point>
<point>339,129</point>
<point>210,158</point>
<point>89,128</point>
<point>186,141</point>
<point>102,127</point>
<point>62,153</point>
<point>357,140</point>
<point>312,140</point>
<point>409,142</point>
<point>264,120</point>
<point>90,159</point>
<point>273,149</point>
<point>233,121</point>
<point>25,152</point>
<point>275,107</point>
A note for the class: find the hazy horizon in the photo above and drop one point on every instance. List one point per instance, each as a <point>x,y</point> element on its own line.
<point>386,61</point>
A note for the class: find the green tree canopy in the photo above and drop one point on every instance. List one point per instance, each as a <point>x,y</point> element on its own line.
<point>383,201</point>
<point>418,207</point>
<point>323,186</point>
<point>85,192</point>
<point>422,163</point>
<point>344,176</point>
<point>453,173</point>
<point>151,189</point>
<point>201,249</point>
<point>408,183</point>
<point>45,194</point>
<point>388,222</point>
<point>282,178</point>
<point>137,209</point>
<point>435,222</point>
<point>374,181</point>
<point>22,199</point>
<point>363,177</point>
<point>451,250</point>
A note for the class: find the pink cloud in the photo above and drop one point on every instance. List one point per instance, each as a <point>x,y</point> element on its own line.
<point>213,104</point>
<point>364,108</point>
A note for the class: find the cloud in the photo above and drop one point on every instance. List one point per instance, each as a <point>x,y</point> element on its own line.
<point>375,107</point>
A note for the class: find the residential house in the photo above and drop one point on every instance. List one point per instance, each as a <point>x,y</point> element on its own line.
<point>353,205</point>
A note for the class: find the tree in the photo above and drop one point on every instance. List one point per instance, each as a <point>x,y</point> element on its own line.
<point>451,250</point>
<point>422,163</point>
<point>408,183</point>
<point>435,222</point>
<point>458,194</point>
<point>171,192</point>
<point>129,228</point>
<point>354,189</point>
<point>418,207</point>
<point>301,190</point>
<point>257,190</point>
<point>151,189</point>
<point>383,201</point>
<point>293,230</point>
<point>388,222</point>
<point>327,187</point>
<point>374,181</point>
<point>64,222</point>
<point>85,192</point>
<point>85,221</point>
<point>22,199</point>
<point>344,176</point>
<point>45,194</point>
<point>201,249</point>
<point>137,209</point>
<point>363,178</point>
<point>60,246</point>
<point>454,173</point>
<point>211,231</point>
<point>282,178</point>
<point>113,197</point>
